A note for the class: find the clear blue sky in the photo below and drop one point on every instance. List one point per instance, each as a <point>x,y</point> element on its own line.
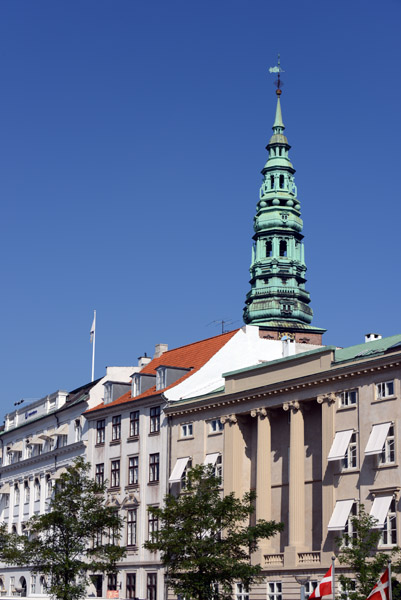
<point>132,135</point>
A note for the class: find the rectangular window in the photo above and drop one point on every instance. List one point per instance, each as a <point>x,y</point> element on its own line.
<point>131,527</point>
<point>134,423</point>
<point>115,473</point>
<point>184,475</point>
<point>218,469</point>
<point>384,389</point>
<point>131,585</point>
<point>153,526</point>
<point>112,581</point>
<point>133,470</point>
<point>349,398</point>
<point>215,426</point>
<point>387,455</point>
<point>274,590</point>
<point>100,431</point>
<point>33,584</point>
<point>154,467</point>
<point>116,428</point>
<point>389,532</point>
<point>187,430</point>
<point>155,419</point>
<point>151,586</point>
<point>349,527</point>
<point>99,477</point>
<point>78,430</point>
<point>310,586</point>
<point>350,460</point>
<point>241,591</point>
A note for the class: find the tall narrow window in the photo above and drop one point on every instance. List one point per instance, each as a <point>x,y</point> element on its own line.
<point>36,488</point>
<point>100,431</point>
<point>131,527</point>
<point>112,582</point>
<point>16,494</point>
<point>349,527</point>
<point>115,473</point>
<point>283,248</point>
<point>274,590</point>
<point>153,526</point>
<point>387,455</point>
<point>151,586</point>
<point>350,459</point>
<point>131,585</point>
<point>134,423</point>
<point>153,468</point>
<point>389,532</point>
<point>281,182</point>
<point>99,477</point>
<point>269,248</point>
<point>272,182</point>
<point>116,428</point>
<point>133,470</point>
<point>155,419</point>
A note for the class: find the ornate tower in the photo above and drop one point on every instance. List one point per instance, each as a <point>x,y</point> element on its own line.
<point>278,301</point>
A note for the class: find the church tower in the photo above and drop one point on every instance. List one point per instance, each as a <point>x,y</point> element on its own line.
<point>278,301</point>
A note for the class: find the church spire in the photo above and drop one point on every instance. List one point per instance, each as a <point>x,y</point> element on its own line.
<point>278,301</point>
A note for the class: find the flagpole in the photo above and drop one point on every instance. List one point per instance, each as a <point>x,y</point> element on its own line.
<point>333,577</point>
<point>390,589</point>
<point>93,345</point>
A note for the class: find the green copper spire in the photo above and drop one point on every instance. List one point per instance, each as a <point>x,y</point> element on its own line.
<point>278,299</point>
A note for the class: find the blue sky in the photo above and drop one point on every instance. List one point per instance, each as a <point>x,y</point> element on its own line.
<point>132,135</point>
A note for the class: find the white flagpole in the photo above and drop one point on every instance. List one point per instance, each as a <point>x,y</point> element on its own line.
<point>390,590</point>
<point>93,339</point>
<point>333,577</point>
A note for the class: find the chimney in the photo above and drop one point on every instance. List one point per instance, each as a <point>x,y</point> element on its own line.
<point>143,360</point>
<point>371,337</point>
<point>160,349</point>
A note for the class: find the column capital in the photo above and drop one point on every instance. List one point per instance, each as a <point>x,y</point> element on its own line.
<point>329,398</point>
<point>293,406</point>
<point>259,412</point>
<point>229,419</point>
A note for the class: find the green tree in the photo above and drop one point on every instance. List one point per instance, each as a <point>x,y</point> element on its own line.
<point>206,540</point>
<point>358,551</point>
<point>78,535</point>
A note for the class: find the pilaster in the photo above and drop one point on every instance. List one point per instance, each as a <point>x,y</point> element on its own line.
<point>234,448</point>
<point>328,404</point>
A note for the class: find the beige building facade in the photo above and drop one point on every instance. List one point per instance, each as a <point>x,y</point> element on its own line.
<point>315,435</point>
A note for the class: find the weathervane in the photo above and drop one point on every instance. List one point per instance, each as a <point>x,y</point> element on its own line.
<point>277,70</point>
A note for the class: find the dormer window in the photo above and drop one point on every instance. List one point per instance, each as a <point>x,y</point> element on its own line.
<point>136,385</point>
<point>161,378</point>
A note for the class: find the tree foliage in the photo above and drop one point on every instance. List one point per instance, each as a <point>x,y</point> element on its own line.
<point>62,543</point>
<point>358,550</point>
<point>206,539</point>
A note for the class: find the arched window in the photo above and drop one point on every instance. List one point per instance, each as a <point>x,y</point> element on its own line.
<point>36,489</point>
<point>269,248</point>
<point>49,486</point>
<point>16,493</point>
<point>14,529</point>
<point>283,248</point>
<point>26,492</point>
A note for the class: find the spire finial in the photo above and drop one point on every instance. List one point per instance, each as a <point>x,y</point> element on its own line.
<point>277,69</point>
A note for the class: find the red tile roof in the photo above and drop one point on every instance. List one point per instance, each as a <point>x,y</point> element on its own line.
<point>193,357</point>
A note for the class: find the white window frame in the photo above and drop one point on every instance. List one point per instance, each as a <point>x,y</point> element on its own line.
<point>350,460</point>
<point>241,591</point>
<point>387,455</point>
<point>187,430</point>
<point>389,531</point>
<point>349,528</point>
<point>215,426</point>
<point>310,587</point>
<point>161,373</point>
<point>274,590</point>
<point>385,389</point>
<point>348,398</point>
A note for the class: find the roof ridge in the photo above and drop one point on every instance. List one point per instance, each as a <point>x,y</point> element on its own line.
<point>199,341</point>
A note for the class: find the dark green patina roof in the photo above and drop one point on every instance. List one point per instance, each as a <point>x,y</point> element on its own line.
<point>367,349</point>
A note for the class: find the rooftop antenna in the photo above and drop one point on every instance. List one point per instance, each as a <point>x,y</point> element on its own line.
<point>221,322</point>
<point>277,69</point>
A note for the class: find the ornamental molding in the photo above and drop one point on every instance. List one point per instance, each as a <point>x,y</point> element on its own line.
<point>229,419</point>
<point>259,412</point>
<point>329,398</point>
<point>294,406</point>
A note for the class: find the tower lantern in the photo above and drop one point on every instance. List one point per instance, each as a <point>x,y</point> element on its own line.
<point>278,301</point>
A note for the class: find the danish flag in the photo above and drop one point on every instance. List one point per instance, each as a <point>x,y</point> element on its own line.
<point>381,591</point>
<point>324,587</point>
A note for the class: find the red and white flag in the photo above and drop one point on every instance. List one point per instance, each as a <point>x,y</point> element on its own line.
<point>325,586</point>
<point>381,591</point>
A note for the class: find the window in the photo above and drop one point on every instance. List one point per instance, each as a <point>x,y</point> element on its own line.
<point>62,440</point>
<point>161,378</point>
<point>131,527</point>
<point>116,428</point>
<point>153,526</point>
<point>112,581</point>
<point>153,467</point>
<point>33,584</point>
<point>99,477</point>
<point>241,591</point>
<point>310,586</point>
<point>131,585</point>
<point>98,539</point>
<point>274,590</point>
<point>349,398</point>
<point>36,489</point>
<point>155,419</point>
<point>78,430</point>
<point>134,423</point>
<point>349,527</point>
<point>269,248</point>
<point>16,494</point>
<point>384,389</point>
<point>151,586</point>
<point>49,486</point>
<point>133,470</point>
<point>184,475</point>
<point>350,459</point>
<point>281,181</point>
<point>187,430</point>
<point>100,431</point>
<point>283,251</point>
<point>115,473</point>
<point>272,182</point>
<point>218,467</point>
<point>26,492</point>
<point>215,426</point>
<point>389,534</point>
<point>387,455</point>
<point>345,589</point>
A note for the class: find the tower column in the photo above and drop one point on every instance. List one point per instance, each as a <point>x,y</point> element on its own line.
<point>296,496</point>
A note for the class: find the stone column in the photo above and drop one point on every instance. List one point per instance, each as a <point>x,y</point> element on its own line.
<point>234,449</point>
<point>296,496</point>
<point>263,464</point>
<point>327,402</point>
